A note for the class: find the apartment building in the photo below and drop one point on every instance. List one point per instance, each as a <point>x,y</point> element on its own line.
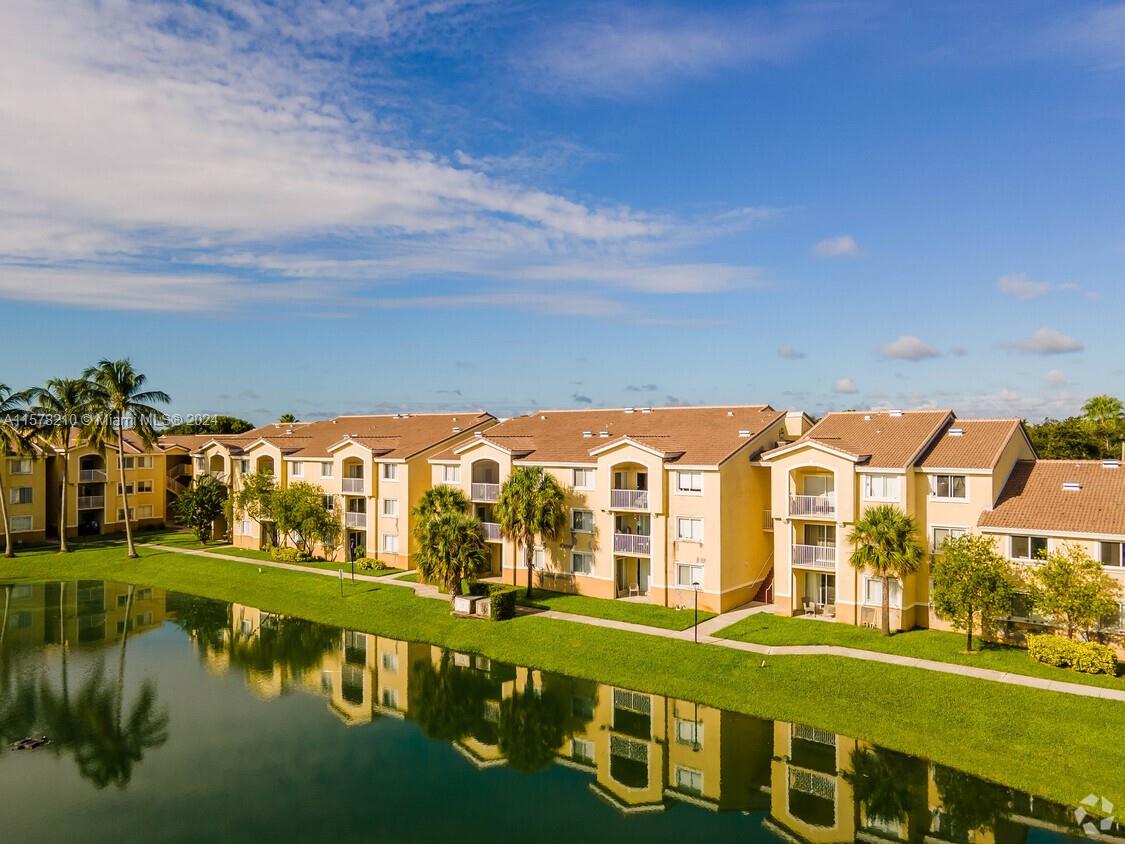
<point>26,500</point>
<point>374,468</point>
<point>661,502</point>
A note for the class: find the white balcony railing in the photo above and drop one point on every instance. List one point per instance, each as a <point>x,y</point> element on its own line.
<point>815,556</point>
<point>484,492</point>
<point>355,520</point>
<point>632,543</point>
<point>491,531</point>
<point>351,484</point>
<point>628,499</point>
<point>812,505</point>
<point>91,476</point>
<point>91,502</point>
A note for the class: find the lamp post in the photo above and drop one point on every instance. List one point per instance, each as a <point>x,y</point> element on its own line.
<point>695,627</point>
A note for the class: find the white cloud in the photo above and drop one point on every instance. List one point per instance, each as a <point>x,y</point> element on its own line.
<point>789,352</point>
<point>1018,285</point>
<point>1055,378</point>
<point>1048,341</point>
<point>908,347</point>
<point>840,246</point>
<point>844,386</point>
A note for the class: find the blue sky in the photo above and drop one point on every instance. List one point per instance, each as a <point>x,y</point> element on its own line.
<point>344,207</point>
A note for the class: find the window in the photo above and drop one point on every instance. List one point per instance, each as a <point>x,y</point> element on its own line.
<point>390,543</point>
<point>873,592</point>
<point>1115,621</point>
<point>944,534</point>
<point>1029,547</point>
<point>1111,554</point>
<point>142,462</point>
<point>539,557</point>
<point>201,464</point>
<point>329,502</point>
<point>297,469</point>
<point>244,527</point>
<point>881,487</point>
<point>326,470</point>
<point>689,574</point>
<point>389,698</point>
<point>20,495</point>
<point>689,483</point>
<point>390,471</point>
<point>390,662</point>
<point>144,511</point>
<point>390,507</point>
<point>243,467</point>
<point>583,478</point>
<point>20,523</point>
<point>19,466</point>
<point>948,486</point>
<point>451,474</point>
<point>144,595</point>
<point>582,521</point>
<point>144,486</point>
<point>121,514</point>
<point>689,733</point>
<point>689,528</point>
<point>581,562</point>
<point>582,750</point>
<point>689,779</point>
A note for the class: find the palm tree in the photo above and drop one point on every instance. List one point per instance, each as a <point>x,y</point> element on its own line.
<point>451,548</point>
<point>1106,416</point>
<point>118,399</point>
<point>531,504</point>
<point>58,409</point>
<point>890,787</point>
<point>13,441</point>
<point>439,499</point>
<point>886,544</point>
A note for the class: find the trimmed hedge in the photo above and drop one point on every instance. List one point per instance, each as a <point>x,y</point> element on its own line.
<point>1085,657</point>
<point>287,555</point>
<point>501,598</point>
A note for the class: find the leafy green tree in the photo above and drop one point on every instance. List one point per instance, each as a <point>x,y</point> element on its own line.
<point>969,804</point>
<point>119,401</point>
<point>299,513</point>
<point>14,441</point>
<point>1064,439</point>
<point>973,583</point>
<point>201,504</point>
<point>532,504</point>
<point>536,721</point>
<point>451,548</point>
<point>286,417</point>
<point>213,425</point>
<point>890,787</point>
<point>886,544</point>
<point>1072,589</point>
<point>448,701</point>
<point>57,410</point>
<point>255,497</point>
<point>1106,417</point>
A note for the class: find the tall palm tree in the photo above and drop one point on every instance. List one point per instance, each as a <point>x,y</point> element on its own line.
<point>886,544</point>
<point>531,504</point>
<point>118,400</point>
<point>14,441</point>
<point>451,548</point>
<point>890,787</point>
<point>58,409</point>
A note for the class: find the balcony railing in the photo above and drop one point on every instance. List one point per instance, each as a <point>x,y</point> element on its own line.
<point>815,556</point>
<point>491,531</point>
<point>628,499</point>
<point>91,502</point>
<point>812,505</point>
<point>632,543</point>
<point>352,484</point>
<point>91,476</point>
<point>355,520</point>
<point>484,492</point>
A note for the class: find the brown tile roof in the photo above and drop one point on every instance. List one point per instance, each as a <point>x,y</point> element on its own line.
<point>878,438</point>
<point>978,446</point>
<point>397,436</point>
<point>192,442</point>
<point>1034,498</point>
<point>691,436</point>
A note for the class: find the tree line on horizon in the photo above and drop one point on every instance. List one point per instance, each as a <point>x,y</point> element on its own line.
<point>1097,432</point>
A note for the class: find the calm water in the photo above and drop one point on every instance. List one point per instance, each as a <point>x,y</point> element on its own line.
<point>176,718</point>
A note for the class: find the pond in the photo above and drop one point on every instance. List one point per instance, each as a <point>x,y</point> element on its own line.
<point>177,718</point>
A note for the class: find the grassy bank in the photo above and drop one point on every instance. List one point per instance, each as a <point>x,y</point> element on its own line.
<point>653,615</point>
<point>1054,745</point>
<point>942,646</point>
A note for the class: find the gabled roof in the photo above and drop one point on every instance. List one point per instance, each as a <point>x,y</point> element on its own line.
<point>691,436</point>
<point>1034,499</point>
<point>879,439</point>
<point>978,445</point>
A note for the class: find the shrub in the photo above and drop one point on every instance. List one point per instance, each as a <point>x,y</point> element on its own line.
<point>370,563</point>
<point>1085,657</point>
<point>288,555</point>
<point>501,598</point>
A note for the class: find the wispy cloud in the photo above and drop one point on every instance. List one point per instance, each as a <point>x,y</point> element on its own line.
<point>1093,31</point>
<point>581,398</point>
<point>908,347</point>
<point>789,352</point>
<point>642,388</point>
<point>840,246</point>
<point>1048,341</point>
<point>1021,287</point>
<point>844,386</point>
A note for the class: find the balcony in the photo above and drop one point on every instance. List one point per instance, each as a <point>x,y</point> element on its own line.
<point>633,544</point>
<point>91,502</point>
<point>484,491</point>
<point>355,520</point>
<point>352,485</point>
<point>818,506</point>
<point>628,499</point>
<point>91,476</point>
<point>815,556</point>
<point>491,531</point>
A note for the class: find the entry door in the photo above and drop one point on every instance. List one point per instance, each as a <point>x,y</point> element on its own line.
<point>622,584</point>
<point>642,576</point>
<point>819,484</point>
<point>823,536</point>
<point>642,480</point>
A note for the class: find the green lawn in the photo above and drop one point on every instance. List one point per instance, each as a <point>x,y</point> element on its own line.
<point>767,629</point>
<point>1057,746</point>
<point>651,614</point>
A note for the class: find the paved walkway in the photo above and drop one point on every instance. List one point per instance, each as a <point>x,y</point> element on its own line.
<point>707,630</point>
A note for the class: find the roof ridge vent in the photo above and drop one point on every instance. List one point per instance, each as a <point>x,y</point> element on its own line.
<point>894,413</point>
<point>630,410</point>
<point>603,434</point>
<point>956,432</point>
<point>867,417</point>
<point>730,413</point>
<point>744,432</point>
<point>456,429</point>
<point>1111,463</point>
<point>587,434</point>
<point>646,410</point>
<point>1071,486</point>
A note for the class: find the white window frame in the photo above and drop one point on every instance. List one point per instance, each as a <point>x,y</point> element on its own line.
<point>450,474</point>
<point>689,732</point>
<point>695,574</point>
<point>244,528</point>
<point>296,469</point>
<point>934,487</point>
<point>693,535</point>
<point>16,493</point>
<point>389,472</point>
<point>328,502</point>
<point>1030,550</point>
<point>19,466</point>
<point>15,523</point>
<point>539,557</point>
<point>869,493</point>
<point>692,487</point>
<point>389,543</point>
<point>144,511</point>
<point>390,508</point>
<point>574,520</point>
<point>144,487</point>
<point>1120,555</point>
<point>951,532</point>
<point>695,777</point>
<point>575,568</point>
<point>243,467</point>
<point>876,600</point>
<point>583,478</point>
